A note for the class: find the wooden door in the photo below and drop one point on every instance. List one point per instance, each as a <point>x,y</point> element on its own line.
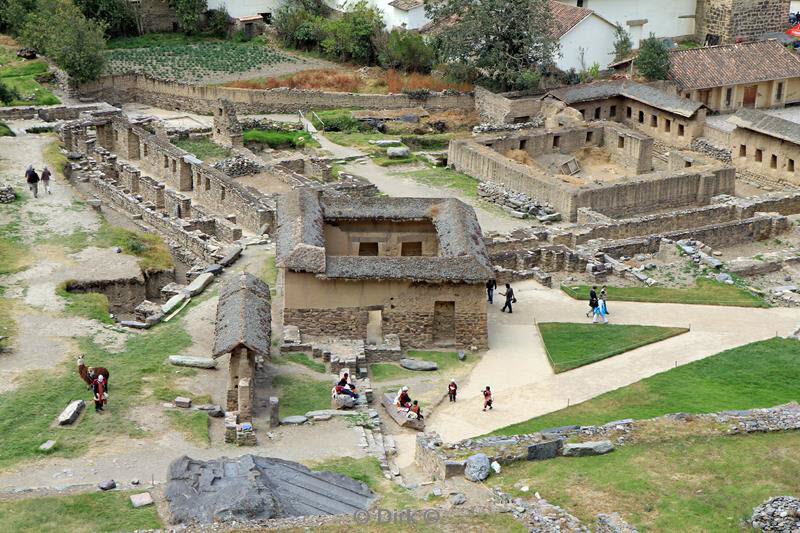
<point>444,322</point>
<point>750,94</point>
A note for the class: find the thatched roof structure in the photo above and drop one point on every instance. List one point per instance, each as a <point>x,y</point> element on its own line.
<point>243,316</point>
<point>301,238</point>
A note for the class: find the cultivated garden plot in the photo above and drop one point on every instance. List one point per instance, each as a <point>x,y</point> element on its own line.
<point>203,62</point>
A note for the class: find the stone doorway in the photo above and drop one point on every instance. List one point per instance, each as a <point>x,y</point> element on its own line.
<point>375,327</point>
<point>444,323</point>
<point>750,94</point>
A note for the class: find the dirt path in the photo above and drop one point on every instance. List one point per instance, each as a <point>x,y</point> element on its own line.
<point>524,386</point>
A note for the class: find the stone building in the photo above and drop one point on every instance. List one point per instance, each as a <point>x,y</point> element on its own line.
<point>766,145</point>
<point>728,77</point>
<point>243,329</point>
<point>226,130</point>
<point>155,15</point>
<point>414,267</point>
<point>659,114</point>
<point>725,21</point>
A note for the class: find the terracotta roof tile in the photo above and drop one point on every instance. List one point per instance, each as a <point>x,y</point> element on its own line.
<point>406,5</point>
<point>733,64</point>
<point>567,16</point>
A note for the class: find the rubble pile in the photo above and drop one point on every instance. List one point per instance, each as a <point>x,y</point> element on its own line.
<point>7,194</point>
<point>237,166</point>
<point>265,124</point>
<point>537,122</point>
<point>517,204</point>
<point>781,513</point>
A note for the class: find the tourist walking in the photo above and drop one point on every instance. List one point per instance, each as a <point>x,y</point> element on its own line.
<point>592,301</point>
<point>46,180</point>
<point>599,311</point>
<point>510,299</point>
<point>491,285</point>
<point>33,181</point>
<point>452,388</point>
<point>100,390</point>
<point>604,299</point>
<point>487,398</point>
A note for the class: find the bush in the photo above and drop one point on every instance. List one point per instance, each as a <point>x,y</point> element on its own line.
<point>653,59</point>
<point>278,139</point>
<point>189,13</point>
<point>338,120</point>
<point>240,36</point>
<point>408,51</point>
<point>8,94</point>
<point>217,22</point>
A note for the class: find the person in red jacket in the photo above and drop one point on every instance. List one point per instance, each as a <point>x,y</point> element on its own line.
<point>452,388</point>
<point>487,398</point>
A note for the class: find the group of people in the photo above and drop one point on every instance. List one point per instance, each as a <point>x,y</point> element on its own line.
<point>34,179</point>
<point>345,386</point>
<point>491,286</point>
<point>403,401</point>
<point>597,305</point>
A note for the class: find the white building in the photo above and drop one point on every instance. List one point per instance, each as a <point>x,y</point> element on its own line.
<point>640,18</point>
<point>585,37</point>
<point>248,8</point>
<point>408,14</point>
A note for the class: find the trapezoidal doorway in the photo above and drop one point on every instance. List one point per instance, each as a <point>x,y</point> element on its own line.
<point>444,323</point>
<point>375,327</point>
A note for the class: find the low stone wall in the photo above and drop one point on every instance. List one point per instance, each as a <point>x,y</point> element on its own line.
<point>712,149</point>
<point>51,113</point>
<point>165,94</point>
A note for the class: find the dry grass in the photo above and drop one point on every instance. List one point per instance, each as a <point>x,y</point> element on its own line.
<point>335,80</point>
<point>520,156</point>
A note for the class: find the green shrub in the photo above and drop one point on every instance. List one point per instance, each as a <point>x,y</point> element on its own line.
<point>278,139</point>
<point>338,120</point>
<point>653,59</point>
<point>217,22</point>
<point>8,94</point>
<point>408,51</point>
<point>5,131</point>
<point>189,13</point>
<point>240,37</point>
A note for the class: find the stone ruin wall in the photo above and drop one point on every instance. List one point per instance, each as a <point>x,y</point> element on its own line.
<point>500,109</point>
<point>165,94</point>
<point>748,19</point>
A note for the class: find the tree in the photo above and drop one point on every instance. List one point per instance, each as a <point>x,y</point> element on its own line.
<point>406,50</point>
<point>75,43</point>
<point>351,36</point>
<point>653,59</point>
<point>118,15</point>
<point>622,43</point>
<point>504,41</point>
<point>189,13</point>
<point>13,14</point>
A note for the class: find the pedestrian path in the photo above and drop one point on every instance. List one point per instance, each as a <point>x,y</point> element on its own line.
<point>524,386</point>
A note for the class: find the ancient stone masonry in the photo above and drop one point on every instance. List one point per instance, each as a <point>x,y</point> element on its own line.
<point>165,94</point>
<point>724,21</point>
<point>226,129</point>
<point>517,204</point>
<point>7,194</point>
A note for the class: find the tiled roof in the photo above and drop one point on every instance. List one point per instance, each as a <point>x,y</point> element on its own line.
<point>406,5</point>
<point>767,124</point>
<point>243,316</point>
<point>567,16</point>
<point>600,90</point>
<point>733,64</point>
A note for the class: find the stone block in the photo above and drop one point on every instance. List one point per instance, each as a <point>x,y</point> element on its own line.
<point>182,401</point>
<point>544,450</point>
<point>231,254</point>
<point>47,446</point>
<point>194,362</point>
<point>141,500</point>
<point>199,284</point>
<point>582,449</point>
<point>415,364</point>
<point>294,420</point>
<point>274,405</point>
<point>107,485</point>
<point>71,413</point>
<point>174,303</point>
<point>398,152</point>
<point>477,467</point>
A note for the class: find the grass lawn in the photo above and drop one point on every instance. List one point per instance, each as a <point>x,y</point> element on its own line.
<point>444,177</point>
<point>202,147</point>
<point>5,131</point>
<point>193,424</point>
<point>54,157</point>
<point>300,395</point>
<point>306,361</point>
<point>571,345</point>
<point>280,139</point>
<point>78,513</point>
<point>696,484</point>
<point>14,253</point>
<point>269,275</point>
<point>92,305</point>
<point>392,371</point>
<point>707,292</point>
<point>20,75</point>
<point>29,411</point>
<point>760,374</point>
<point>156,39</point>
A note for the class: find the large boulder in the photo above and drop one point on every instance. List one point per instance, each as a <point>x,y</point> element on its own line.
<point>580,449</point>
<point>71,413</point>
<point>398,152</point>
<point>195,362</point>
<point>257,488</point>
<point>416,364</point>
<point>477,467</point>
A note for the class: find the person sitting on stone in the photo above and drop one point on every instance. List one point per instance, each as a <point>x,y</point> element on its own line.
<point>344,386</point>
<point>403,400</point>
<point>415,411</point>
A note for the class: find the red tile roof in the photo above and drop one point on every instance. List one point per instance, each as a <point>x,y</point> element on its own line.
<point>733,64</point>
<point>567,16</point>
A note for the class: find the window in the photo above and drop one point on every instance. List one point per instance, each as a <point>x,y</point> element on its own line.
<point>687,164</point>
<point>680,130</point>
<point>222,193</point>
<point>612,111</point>
<point>581,3</point>
<point>411,248</point>
<point>174,167</point>
<point>620,142</point>
<point>779,92</point>
<point>208,184</point>
<point>589,136</point>
<point>522,119</point>
<point>742,150</point>
<point>166,162</point>
<point>629,112</point>
<point>641,117</point>
<point>267,17</point>
<point>523,144</point>
<point>597,111</point>
<point>556,141</point>
<point>728,96</point>
<point>667,125</point>
<point>145,150</point>
<point>116,135</point>
<point>773,161</point>
<point>583,113</point>
<point>790,165</point>
<point>654,121</point>
<point>368,249</point>
<point>759,154</point>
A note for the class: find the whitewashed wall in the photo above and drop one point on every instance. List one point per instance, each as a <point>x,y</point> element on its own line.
<point>392,17</point>
<point>595,36</point>
<point>246,8</point>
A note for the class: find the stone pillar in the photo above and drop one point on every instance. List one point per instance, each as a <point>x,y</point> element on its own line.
<point>184,177</point>
<point>233,381</point>
<point>246,396</point>
<point>274,416</point>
